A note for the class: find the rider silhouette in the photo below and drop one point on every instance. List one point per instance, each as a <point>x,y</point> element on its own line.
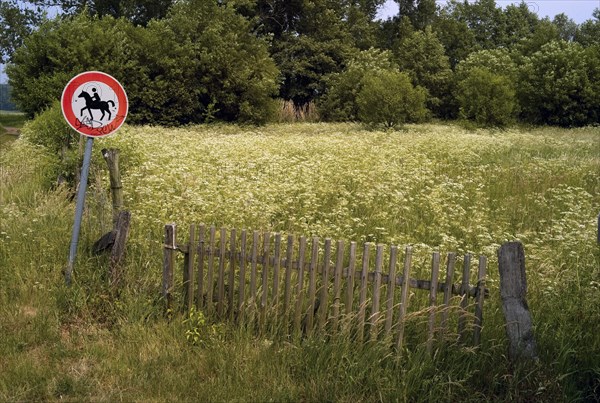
<point>95,97</point>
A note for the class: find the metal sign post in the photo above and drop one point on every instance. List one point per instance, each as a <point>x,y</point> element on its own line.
<point>85,169</point>
<point>84,98</point>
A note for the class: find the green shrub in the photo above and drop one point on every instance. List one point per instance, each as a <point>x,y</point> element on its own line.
<point>388,98</point>
<point>199,64</point>
<point>487,98</point>
<point>50,130</point>
<point>339,102</point>
<point>560,85</point>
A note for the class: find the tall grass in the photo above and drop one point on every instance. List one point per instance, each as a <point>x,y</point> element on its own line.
<point>434,186</point>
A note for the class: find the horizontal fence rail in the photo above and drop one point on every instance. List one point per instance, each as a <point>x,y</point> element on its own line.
<point>298,286</point>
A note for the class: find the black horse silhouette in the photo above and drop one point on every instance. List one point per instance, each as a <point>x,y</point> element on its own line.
<point>92,104</point>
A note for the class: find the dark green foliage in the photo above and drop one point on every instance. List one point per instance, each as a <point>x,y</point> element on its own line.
<point>388,98</point>
<point>487,98</point>
<point>199,64</point>
<point>421,56</point>
<point>560,85</point>
<point>486,88</point>
<point>339,102</point>
<point>140,12</point>
<point>589,32</point>
<point>50,130</point>
<point>60,50</point>
<point>16,22</point>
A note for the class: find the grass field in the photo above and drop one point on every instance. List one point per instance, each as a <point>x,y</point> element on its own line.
<point>433,186</point>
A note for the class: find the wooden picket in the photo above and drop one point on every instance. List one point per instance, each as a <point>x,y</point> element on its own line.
<point>305,287</point>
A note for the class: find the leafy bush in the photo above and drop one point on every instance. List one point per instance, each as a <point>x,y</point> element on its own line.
<point>422,56</point>
<point>560,85</point>
<point>389,98</point>
<point>339,102</point>
<point>486,89</point>
<point>487,98</point>
<point>50,130</point>
<point>201,63</point>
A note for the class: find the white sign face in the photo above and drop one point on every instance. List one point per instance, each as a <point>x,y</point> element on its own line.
<point>94,104</point>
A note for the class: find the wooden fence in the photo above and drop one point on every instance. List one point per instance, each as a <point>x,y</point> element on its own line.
<point>295,286</point>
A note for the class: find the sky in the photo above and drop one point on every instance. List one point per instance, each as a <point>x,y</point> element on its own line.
<point>578,10</point>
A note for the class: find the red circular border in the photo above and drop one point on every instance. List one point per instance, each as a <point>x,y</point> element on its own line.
<point>69,114</point>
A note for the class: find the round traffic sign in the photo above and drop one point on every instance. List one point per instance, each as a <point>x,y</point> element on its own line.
<point>94,104</point>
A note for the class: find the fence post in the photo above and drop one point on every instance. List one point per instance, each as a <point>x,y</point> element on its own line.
<point>513,290</point>
<point>118,249</point>
<point>111,156</point>
<point>169,251</point>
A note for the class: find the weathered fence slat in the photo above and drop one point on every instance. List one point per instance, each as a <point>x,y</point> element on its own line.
<point>374,318</point>
<point>390,290</point>
<point>312,285</point>
<point>231,280</point>
<point>221,277</point>
<point>253,269</point>
<point>188,278</point>
<point>324,294</point>
<point>289,256</point>
<point>210,271</point>
<point>481,272</point>
<point>362,303</point>
<point>265,280</point>
<point>170,247</point>
<point>464,303</point>
<point>201,253</point>
<point>300,285</point>
<point>435,269</point>
<point>448,290</point>
<point>276,269</point>
<point>242,276</point>
<point>337,285</point>
<point>403,299</point>
<point>350,278</point>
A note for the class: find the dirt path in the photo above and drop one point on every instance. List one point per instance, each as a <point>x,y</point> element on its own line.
<point>14,131</point>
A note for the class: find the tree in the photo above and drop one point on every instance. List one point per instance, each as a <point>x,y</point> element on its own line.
<point>422,57</point>
<point>589,32</point>
<point>487,98</point>
<point>519,22</point>
<point>339,101</point>
<point>567,28</point>
<point>17,21</point>
<point>58,51</point>
<point>389,98</point>
<point>456,37</point>
<point>486,88</point>
<point>421,13</point>
<point>139,12</point>
<point>201,63</point>
<point>559,85</point>
<point>483,18</point>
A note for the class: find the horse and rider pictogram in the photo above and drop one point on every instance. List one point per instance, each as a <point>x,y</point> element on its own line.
<point>94,102</point>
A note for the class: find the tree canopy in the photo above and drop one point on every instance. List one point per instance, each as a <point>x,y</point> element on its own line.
<point>202,60</point>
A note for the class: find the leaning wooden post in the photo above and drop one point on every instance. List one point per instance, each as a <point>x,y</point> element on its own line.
<point>118,249</point>
<point>111,156</point>
<point>169,251</point>
<point>513,290</point>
